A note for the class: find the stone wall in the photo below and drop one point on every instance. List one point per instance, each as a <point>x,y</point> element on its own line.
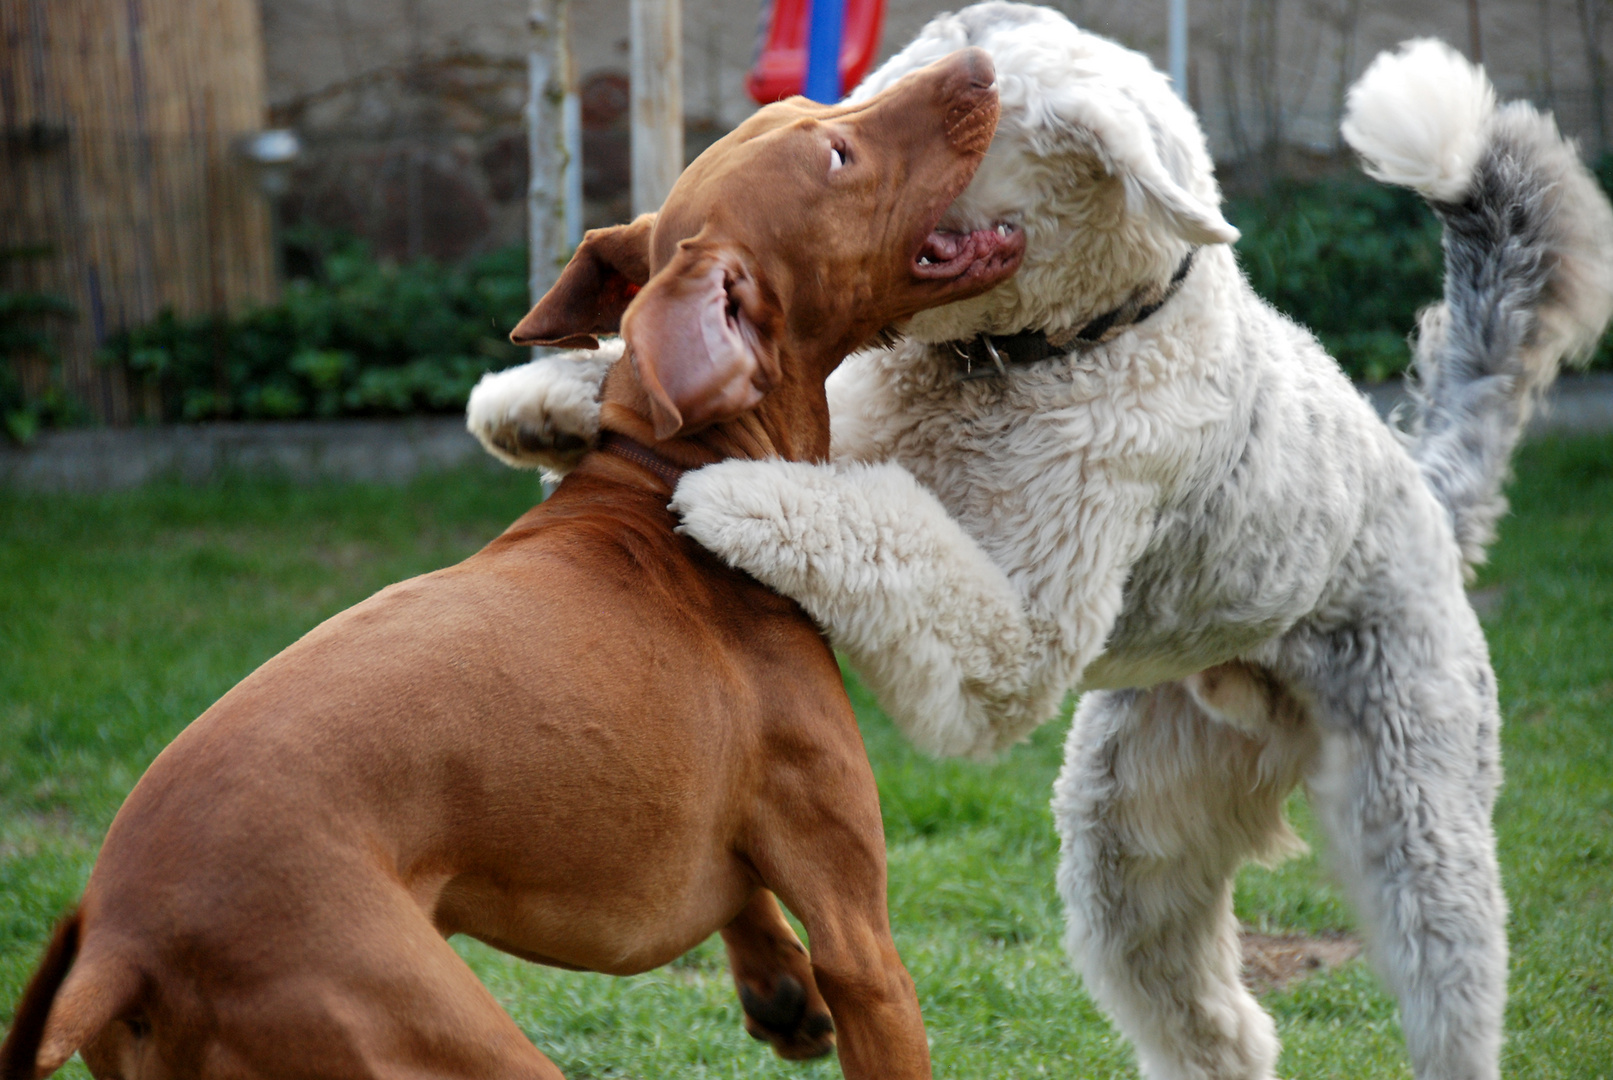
<point>411,109</point>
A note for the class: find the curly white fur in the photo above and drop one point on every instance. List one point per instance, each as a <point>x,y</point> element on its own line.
<point>1530,268</point>
<point>1417,117</point>
<point>895,531</point>
<point>1205,527</point>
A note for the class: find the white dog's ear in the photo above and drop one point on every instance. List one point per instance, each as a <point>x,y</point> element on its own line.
<point>1192,218</point>
<point>1126,138</point>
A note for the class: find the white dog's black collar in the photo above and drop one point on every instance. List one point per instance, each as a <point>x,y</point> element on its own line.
<point>991,354</point>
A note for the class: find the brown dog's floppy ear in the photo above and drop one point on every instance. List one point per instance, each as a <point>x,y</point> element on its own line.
<point>702,337</point>
<point>609,268</point>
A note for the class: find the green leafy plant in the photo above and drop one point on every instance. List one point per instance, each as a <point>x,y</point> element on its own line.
<point>1353,260</point>
<point>356,337</point>
<point>23,336</point>
<point>1349,258</point>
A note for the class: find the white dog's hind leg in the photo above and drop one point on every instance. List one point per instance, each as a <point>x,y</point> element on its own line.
<point>937,631</point>
<point>543,414</point>
<point>1157,806</point>
<point>1407,777</point>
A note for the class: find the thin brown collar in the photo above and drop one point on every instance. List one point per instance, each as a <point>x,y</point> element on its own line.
<point>613,442</point>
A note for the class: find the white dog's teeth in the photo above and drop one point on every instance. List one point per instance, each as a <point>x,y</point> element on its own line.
<point>925,260</point>
<point>1004,229</point>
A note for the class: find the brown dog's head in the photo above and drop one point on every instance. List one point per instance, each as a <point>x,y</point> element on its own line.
<point>789,243</point>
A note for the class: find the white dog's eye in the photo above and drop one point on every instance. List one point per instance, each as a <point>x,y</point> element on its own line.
<point>835,160</point>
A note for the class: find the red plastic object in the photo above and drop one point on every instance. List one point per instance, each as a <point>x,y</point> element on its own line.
<point>780,68</point>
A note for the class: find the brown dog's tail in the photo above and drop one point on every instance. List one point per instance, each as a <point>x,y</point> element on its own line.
<point>90,1005</point>
<point>21,1049</point>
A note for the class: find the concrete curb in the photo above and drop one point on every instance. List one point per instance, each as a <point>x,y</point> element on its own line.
<point>1577,404</point>
<point>109,459</point>
<point>392,451</point>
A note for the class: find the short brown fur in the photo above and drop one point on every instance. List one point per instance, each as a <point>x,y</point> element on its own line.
<point>591,744</point>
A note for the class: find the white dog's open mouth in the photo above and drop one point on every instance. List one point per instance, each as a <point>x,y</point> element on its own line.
<point>947,255</point>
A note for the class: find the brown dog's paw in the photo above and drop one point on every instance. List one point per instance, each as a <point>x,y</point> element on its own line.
<point>784,1020</point>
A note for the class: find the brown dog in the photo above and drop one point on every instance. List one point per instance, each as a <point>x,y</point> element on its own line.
<point>591,744</point>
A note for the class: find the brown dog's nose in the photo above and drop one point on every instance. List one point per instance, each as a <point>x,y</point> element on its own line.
<point>982,72</point>
<point>970,90</point>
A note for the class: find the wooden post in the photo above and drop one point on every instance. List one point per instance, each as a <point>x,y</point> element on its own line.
<point>657,76</point>
<point>546,139</point>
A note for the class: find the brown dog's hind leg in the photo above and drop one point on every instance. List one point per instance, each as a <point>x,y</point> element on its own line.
<point>773,975</point>
<point>365,988</point>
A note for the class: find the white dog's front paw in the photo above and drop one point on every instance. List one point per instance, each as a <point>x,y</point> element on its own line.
<point>767,518</point>
<point>544,414</point>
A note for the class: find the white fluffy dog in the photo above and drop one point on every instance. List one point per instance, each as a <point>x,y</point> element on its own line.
<point>1123,473</point>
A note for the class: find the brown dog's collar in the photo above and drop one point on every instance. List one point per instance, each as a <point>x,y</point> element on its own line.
<point>612,442</point>
<point>990,354</point>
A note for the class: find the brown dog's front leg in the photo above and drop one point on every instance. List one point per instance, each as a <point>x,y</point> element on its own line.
<point>773,975</point>
<point>871,996</point>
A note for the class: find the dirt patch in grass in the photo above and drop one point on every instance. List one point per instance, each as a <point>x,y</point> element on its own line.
<point>1275,961</point>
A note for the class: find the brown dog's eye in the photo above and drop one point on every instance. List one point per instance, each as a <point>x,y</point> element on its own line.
<point>837,156</point>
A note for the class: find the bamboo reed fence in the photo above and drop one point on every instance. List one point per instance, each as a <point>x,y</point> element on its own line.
<point>122,122</point>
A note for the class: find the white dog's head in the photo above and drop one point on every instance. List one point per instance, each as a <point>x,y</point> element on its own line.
<point>1095,158</point>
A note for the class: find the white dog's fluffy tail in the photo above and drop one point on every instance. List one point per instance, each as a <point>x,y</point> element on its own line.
<point>1528,263</point>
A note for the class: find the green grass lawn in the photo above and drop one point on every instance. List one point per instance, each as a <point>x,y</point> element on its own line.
<point>124,616</point>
